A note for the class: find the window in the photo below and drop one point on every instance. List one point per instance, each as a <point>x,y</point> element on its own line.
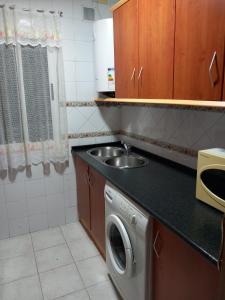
<point>36,88</point>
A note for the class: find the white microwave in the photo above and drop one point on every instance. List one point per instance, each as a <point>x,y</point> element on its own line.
<point>210,185</point>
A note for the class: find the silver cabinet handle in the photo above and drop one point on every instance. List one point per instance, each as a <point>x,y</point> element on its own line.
<point>133,73</point>
<point>139,75</point>
<point>210,69</point>
<point>154,244</point>
<point>87,177</point>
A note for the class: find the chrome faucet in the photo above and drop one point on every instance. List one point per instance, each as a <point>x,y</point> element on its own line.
<point>127,147</point>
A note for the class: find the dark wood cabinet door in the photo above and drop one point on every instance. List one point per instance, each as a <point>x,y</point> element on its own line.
<point>156,48</point>
<point>179,271</point>
<point>97,201</point>
<point>224,88</point>
<point>83,200</point>
<point>200,27</point>
<point>125,20</point>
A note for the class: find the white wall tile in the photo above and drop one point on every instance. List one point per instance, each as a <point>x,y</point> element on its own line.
<point>35,188</point>
<point>69,69</point>
<point>15,191</point>
<point>36,205</point>
<point>41,4</point>
<point>77,10</point>
<point>84,51</point>
<point>70,198</point>
<point>56,211</point>
<point>17,209</point>
<point>65,6</point>
<point>71,214</point>
<point>71,91</point>
<point>38,222</point>
<point>54,184</point>
<point>68,28</point>
<point>68,50</point>
<point>85,71</point>
<point>4,226</point>
<point>18,226</point>
<point>86,91</point>
<point>83,31</point>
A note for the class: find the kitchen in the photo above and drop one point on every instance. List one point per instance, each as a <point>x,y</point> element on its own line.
<point>99,194</point>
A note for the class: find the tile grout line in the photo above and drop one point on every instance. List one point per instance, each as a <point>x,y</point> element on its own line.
<point>92,285</point>
<point>74,262</point>
<point>39,279</point>
<point>18,279</point>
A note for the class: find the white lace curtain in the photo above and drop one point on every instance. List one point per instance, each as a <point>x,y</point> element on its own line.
<point>33,125</point>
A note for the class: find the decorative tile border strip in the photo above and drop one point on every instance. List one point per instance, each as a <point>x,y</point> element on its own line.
<point>92,134</point>
<point>90,104</point>
<point>165,145</point>
<point>177,107</point>
<point>148,140</point>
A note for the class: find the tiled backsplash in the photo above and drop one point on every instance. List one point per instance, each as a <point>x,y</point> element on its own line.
<point>178,128</point>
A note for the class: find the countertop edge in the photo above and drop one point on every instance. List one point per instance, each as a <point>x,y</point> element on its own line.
<point>80,150</point>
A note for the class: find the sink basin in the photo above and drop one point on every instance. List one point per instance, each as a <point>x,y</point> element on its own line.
<point>123,162</point>
<point>106,152</point>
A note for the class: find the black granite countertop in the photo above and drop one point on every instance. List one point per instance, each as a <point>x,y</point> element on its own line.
<point>167,191</point>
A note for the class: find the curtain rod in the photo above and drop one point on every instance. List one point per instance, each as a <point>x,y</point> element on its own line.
<point>38,10</point>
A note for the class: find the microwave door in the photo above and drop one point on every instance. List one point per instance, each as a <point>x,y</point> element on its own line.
<point>214,182</point>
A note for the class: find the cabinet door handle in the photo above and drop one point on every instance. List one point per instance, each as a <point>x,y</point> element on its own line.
<point>214,60</point>
<point>140,73</point>
<point>133,73</point>
<point>154,244</point>
<point>87,178</point>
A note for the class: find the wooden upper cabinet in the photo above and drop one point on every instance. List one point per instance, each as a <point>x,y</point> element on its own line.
<point>83,202</point>
<point>199,49</point>
<point>156,48</point>
<point>126,49</point>
<point>97,202</point>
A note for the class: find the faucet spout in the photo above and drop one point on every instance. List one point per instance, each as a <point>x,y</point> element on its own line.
<point>127,147</point>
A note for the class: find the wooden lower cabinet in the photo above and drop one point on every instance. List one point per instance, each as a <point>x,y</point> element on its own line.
<point>179,271</point>
<point>91,202</point>
<point>97,202</point>
<point>224,88</point>
<point>83,203</point>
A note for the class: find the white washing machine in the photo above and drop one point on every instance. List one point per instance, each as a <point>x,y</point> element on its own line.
<point>128,238</point>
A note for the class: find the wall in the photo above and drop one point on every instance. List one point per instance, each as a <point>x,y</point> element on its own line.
<point>173,133</point>
<point>38,202</point>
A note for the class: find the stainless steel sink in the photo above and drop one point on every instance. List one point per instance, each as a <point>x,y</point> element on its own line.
<point>106,152</point>
<point>127,161</point>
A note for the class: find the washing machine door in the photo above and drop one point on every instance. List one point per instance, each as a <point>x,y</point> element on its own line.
<point>119,246</point>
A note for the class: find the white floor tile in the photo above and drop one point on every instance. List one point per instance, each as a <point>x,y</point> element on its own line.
<point>60,282</point>
<point>47,238</point>
<point>16,246</point>
<point>93,270</point>
<point>82,295</point>
<point>53,257</point>
<point>23,289</point>
<point>82,249</point>
<point>73,231</point>
<point>103,291</point>
<point>17,267</point>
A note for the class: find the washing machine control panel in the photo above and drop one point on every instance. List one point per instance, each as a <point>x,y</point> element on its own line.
<point>131,214</point>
